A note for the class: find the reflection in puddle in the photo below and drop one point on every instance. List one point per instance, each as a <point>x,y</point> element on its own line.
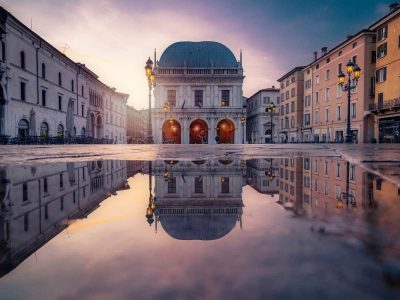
<point>203,200</point>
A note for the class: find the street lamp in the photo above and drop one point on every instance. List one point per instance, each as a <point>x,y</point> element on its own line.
<point>270,172</point>
<point>150,78</point>
<point>166,109</point>
<point>271,110</point>
<point>243,121</point>
<point>355,70</point>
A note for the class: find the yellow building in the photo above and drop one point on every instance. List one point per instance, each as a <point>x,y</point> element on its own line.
<point>387,88</point>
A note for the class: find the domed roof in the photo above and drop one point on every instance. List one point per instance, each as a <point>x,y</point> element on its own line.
<point>197,55</point>
<point>198,227</point>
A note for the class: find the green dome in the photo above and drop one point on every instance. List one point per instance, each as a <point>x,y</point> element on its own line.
<point>197,55</point>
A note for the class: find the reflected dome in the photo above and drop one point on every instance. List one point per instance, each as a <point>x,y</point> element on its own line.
<point>198,227</point>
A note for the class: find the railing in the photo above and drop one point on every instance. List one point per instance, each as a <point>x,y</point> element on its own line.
<point>385,104</point>
<point>197,71</point>
<point>54,140</point>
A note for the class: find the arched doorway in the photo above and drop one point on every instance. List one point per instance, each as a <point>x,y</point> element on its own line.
<point>198,132</point>
<point>171,132</point>
<point>44,129</point>
<point>225,132</point>
<point>23,128</point>
<point>60,130</point>
<point>268,136</point>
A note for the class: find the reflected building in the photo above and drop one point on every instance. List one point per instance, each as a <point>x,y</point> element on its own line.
<point>291,183</point>
<point>263,175</point>
<point>37,202</point>
<point>198,200</point>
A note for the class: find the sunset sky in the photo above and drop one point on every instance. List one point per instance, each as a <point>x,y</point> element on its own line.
<point>115,37</point>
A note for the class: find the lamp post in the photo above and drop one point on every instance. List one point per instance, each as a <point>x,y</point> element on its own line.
<point>270,172</point>
<point>150,78</point>
<point>271,110</point>
<point>353,73</point>
<point>166,110</point>
<point>152,203</point>
<point>243,121</point>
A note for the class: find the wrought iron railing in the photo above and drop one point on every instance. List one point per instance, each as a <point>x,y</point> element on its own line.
<point>385,104</point>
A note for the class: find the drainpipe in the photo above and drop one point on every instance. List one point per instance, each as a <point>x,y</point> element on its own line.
<point>37,71</point>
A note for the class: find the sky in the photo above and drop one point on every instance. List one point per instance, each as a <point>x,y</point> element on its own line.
<point>114,38</point>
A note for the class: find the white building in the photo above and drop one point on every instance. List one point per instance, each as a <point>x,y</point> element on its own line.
<point>198,200</point>
<point>116,113</point>
<point>201,85</point>
<point>258,127</point>
<point>44,93</point>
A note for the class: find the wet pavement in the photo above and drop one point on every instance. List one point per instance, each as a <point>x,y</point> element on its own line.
<point>179,222</point>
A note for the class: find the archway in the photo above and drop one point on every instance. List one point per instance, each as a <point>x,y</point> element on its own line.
<point>60,130</point>
<point>44,129</point>
<point>225,132</point>
<point>171,132</point>
<point>23,128</point>
<point>198,132</point>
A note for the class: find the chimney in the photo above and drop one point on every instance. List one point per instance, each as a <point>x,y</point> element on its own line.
<point>315,53</point>
<point>349,36</point>
<point>324,50</point>
<point>394,6</point>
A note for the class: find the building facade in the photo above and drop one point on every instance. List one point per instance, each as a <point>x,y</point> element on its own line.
<point>386,106</point>
<point>116,111</point>
<point>307,133</point>
<point>200,86</point>
<point>135,126</point>
<point>259,122</point>
<point>291,107</point>
<point>328,102</point>
<point>44,93</point>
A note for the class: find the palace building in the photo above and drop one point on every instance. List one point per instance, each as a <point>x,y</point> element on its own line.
<point>198,95</point>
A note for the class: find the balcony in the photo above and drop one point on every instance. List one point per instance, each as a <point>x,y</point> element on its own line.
<point>198,71</point>
<point>388,104</point>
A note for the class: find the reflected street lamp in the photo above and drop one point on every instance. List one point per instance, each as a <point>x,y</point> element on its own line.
<point>270,172</point>
<point>354,73</point>
<point>243,121</point>
<point>271,110</point>
<point>150,78</point>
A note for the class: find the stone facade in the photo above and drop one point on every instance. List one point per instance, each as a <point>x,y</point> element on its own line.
<point>258,123</point>
<point>200,84</point>
<point>44,93</point>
